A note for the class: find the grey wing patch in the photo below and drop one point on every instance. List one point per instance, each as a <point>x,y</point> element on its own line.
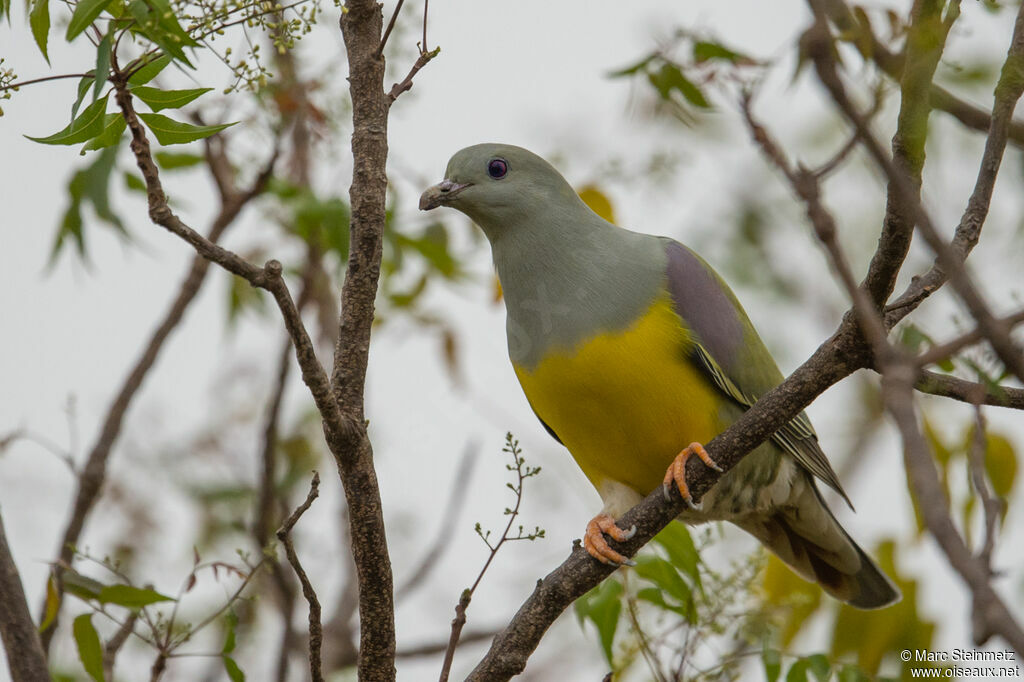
<point>797,437</point>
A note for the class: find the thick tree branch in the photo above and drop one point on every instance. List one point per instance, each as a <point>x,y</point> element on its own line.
<point>25,657</point>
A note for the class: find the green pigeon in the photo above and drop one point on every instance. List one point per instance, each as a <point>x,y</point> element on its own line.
<point>633,351</point>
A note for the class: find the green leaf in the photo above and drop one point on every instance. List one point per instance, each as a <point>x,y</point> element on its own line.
<point>772,663</point>
<point>158,99</point>
<point>131,597</point>
<point>113,128</point>
<point>79,585</point>
<point>157,22</point>
<point>816,664</point>
<point>664,575</point>
<point>676,541</point>
<point>602,606</point>
<point>39,20</point>
<point>235,673</point>
<point>87,126</point>
<point>1000,464</point>
<point>176,160</point>
<point>149,71</point>
<point>83,88</point>
<point>704,50</point>
<point>52,603</point>
<point>655,596</point>
<point>230,623</point>
<point>85,13</point>
<point>168,131</point>
<point>90,651</point>
<point>633,68</point>
<point>102,63</point>
<point>670,78</point>
<point>134,183</point>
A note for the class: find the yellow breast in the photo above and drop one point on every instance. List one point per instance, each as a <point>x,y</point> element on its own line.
<point>626,403</point>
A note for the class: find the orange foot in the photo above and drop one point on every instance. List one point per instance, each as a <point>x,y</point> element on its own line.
<point>677,471</point>
<point>597,546</point>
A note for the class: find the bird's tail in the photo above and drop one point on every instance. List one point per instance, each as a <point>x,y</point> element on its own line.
<point>806,536</point>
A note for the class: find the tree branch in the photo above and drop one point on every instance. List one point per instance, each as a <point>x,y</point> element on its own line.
<point>25,656</point>
<point>284,535</point>
<point>990,613</point>
<point>892,65</point>
<point>94,472</point>
<point>1008,91</point>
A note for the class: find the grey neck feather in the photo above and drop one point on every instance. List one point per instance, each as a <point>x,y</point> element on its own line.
<point>568,275</point>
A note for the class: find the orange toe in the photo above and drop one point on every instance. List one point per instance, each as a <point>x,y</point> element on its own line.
<point>597,546</point>
<point>676,472</point>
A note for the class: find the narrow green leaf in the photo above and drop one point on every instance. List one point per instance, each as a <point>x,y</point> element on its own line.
<point>131,597</point>
<point>77,584</point>
<point>113,128</point>
<point>97,187</point>
<point>798,671</point>
<point>235,673</point>
<point>664,575</point>
<point>156,21</point>
<point>633,68</point>
<point>654,595</point>
<point>83,88</point>
<point>39,20</point>
<point>602,606</point>
<point>85,13</point>
<point>772,663</point>
<point>134,183</point>
<point>230,623</point>
<point>158,99</point>
<point>90,651</point>
<point>168,131</point>
<point>102,63</point>
<point>176,160</point>
<point>704,50</point>
<point>149,71</point>
<point>676,540</point>
<point>87,126</point>
<point>52,603</point>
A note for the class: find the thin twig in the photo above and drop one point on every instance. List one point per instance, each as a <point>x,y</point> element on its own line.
<point>406,83</point>
<point>284,535</point>
<point>969,392</point>
<point>991,507</point>
<point>391,26</point>
<point>22,84</point>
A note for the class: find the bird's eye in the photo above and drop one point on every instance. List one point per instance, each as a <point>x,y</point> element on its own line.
<point>497,168</point>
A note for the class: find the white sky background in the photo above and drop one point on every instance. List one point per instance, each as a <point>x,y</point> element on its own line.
<point>529,73</point>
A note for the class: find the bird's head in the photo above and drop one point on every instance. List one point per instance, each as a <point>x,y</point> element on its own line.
<point>498,186</point>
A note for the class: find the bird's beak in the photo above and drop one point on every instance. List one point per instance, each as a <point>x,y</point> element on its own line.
<point>440,194</point>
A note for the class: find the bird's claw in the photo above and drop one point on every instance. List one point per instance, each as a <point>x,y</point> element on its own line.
<point>676,473</point>
<point>596,545</point>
